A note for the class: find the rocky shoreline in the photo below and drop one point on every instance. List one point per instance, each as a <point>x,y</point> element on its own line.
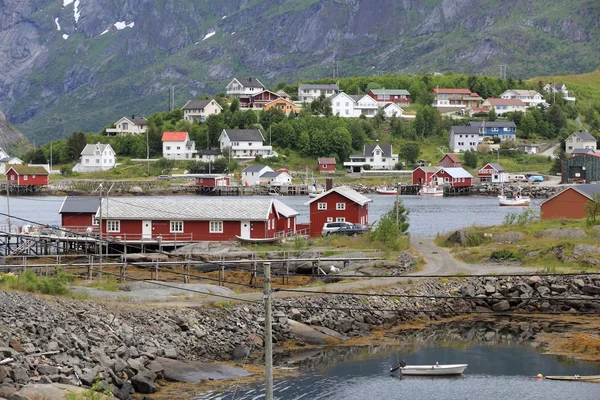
<point>129,348</point>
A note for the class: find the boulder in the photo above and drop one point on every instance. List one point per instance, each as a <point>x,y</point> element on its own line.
<point>590,289</point>
<point>240,352</point>
<point>143,382</point>
<point>508,237</point>
<point>502,305</point>
<point>195,371</point>
<point>54,391</point>
<point>564,233</point>
<point>306,333</point>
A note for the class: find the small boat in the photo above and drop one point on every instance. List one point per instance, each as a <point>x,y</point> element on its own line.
<point>274,194</point>
<point>258,240</point>
<point>430,370</point>
<point>585,378</point>
<point>431,190</point>
<point>386,190</point>
<point>517,200</point>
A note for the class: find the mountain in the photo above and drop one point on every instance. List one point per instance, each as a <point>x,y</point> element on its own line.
<point>11,140</point>
<point>79,65</point>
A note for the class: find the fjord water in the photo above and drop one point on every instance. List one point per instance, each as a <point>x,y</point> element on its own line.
<point>495,372</point>
<point>428,216</point>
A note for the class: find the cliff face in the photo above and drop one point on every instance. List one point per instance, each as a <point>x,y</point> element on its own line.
<point>77,65</point>
<point>11,140</point>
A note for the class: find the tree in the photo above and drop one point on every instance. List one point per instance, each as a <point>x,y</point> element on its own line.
<point>528,126</point>
<point>471,159</point>
<point>410,152</point>
<point>592,209</point>
<point>556,117</point>
<point>491,116</point>
<point>37,156</point>
<point>427,122</point>
<point>75,143</point>
<point>234,106</point>
<point>392,226</point>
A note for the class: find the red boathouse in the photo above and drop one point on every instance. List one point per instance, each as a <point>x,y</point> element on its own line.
<point>422,175</point>
<point>327,165</point>
<point>79,213</point>
<point>455,177</point>
<point>24,175</point>
<point>212,180</point>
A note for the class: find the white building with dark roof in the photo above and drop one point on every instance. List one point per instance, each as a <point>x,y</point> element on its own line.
<point>308,92</point>
<point>244,143</point>
<point>200,110</point>
<point>244,87</point>
<point>128,126</point>
<point>463,138</point>
<point>252,173</point>
<point>377,156</point>
<point>531,98</point>
<point>580,141</point>
<point>96,157</point>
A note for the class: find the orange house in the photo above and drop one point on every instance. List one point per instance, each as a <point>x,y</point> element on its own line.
<point>284,105</point>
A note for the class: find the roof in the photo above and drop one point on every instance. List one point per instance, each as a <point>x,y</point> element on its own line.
<point>254,168</point>
<point>89,149</point>
<point>16,160</point>
<point>272,174</point>
<point>428,169</point>
<point>196,104</point>
<point>452,91</point>
<point>327,160</point>
<point>496,166</point>
<point>189,209</point>
<point>493,124</point>
<point>452,157</point>
<point>209,152</point>
<point>284,209</point>
<point>250,82</point>
<point>27,170</point>
<point>80,205</point>
<point>281,93</point>
<point>575,151</point>
<point>386,148</point>
<point>244,135</point>
<point>457,172</point>
<point>464,129</point>
<point>585,136</point>
<point>521,92</point>
<point>505,102</point>
<point>136,120</point>
<point>347,192</point>
<point>329,86</point>
<point>588,190</point>
<point>175,137</point>
<point>400,92</point>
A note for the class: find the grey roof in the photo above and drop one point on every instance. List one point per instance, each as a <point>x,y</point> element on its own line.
<point>88,150</point>
<point>401,92</point>
<point>271,174</point>
<point>356,97</point>
<point>317,86</point>
<point>585,136</point>
<point>80,205</point>
<point>244,135</point>
<point>284,209</point>
<point>326,160</point>
<point>209,152</point>
<point>457,172</point>
<point>137,120</point>
<point>254,168</point>
<point>250,82</point>
<point>386,148</point>
<point>496,166</point>
<point>588,190</point>
<point>347,192</point>
<point>463,129</point>
<point>492,124</point>
<point>194,209</point>
<point>575,151</point>
<point>196,104</point>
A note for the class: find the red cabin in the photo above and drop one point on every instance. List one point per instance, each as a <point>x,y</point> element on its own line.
<point>151,220</point>
<point>79,213</point>
<point>327,165</point>
<point>450,161</point>
<point>23,175</point>
<point>422,175</point>
<point>570,203</point>
<point>455,177</point>
<point>212,180</point>
<point>340,204</point>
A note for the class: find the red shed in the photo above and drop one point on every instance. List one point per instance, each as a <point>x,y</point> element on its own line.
<point>24,175</point>
<point>327,165</point>
<point>570,203</point>
<point>193,220</point>
<point>79,213</point>
<point>212,180</point>
<point>422,175</point>
<point>340,204</point>
<point>450,161</point>
<point>455,177</point>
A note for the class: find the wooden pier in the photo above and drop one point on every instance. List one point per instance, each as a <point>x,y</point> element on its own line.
<point>258,190</point>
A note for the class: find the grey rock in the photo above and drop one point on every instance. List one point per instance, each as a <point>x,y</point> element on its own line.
<point>559,288</point>
<point>143,384</point>
<point>45,369</point>
<point>240,352</point>
<point>125,391</point>
<point>490,289</point>
<point>543,290</point>
<point>19,375</point>
<point>502,305</point>
<point>534,279</point>
<point>52,346</point>
<point>194,371</point>
<point>590,289</point>
<point>89,375</point>
<point>170,353</point>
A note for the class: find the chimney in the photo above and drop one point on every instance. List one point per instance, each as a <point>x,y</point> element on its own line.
<point>133,116</point>
<point>328,183</point>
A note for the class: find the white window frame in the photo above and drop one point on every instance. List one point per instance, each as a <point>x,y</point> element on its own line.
<point>95,221</point>
<point>340,206</point>
<point>176,227</point>
<point>322,206</point>
<point>215,227</point>
<point>25,177</point>
<point>340,219</point>
<point>113,225</point>
<point>329,219</point>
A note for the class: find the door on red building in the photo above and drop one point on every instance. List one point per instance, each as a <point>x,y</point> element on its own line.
<point>146,229</point>
<point>245,230</point>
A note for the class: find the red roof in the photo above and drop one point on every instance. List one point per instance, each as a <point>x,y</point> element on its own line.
<point>174,136</point>
<point>505,102</point>
<point>453,91</point>
<point>326,160</point>
<point>452,157</point>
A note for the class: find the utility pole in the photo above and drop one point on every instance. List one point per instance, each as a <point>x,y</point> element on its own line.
<point>8,205</point>
<point>100,229</point>
<point>268,334</point>
<point>397,204</point>
<point>147,154</point>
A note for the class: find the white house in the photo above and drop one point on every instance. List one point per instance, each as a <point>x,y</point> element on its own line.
<point>208,155</point>
<point>343,105</point>
<point>580,141</point>
<point>463,138</point>
<point>353,106</point>
<point>365,105</point>
<point>392,110</point>
<point>128,126</point>
<point>377,156</point>
<point>252,173</point>
<point>492,172</point>
<point>178,146</point>
<point>96,157</point>
<point>502,106</point>
<point>531,98</point>
<point>309,92</point>
<point>561,90</point>
<point>275,178</point>
<point>244,87</point>
<point>244,143</point>
<point>200,110</point>
<point>5,161</point>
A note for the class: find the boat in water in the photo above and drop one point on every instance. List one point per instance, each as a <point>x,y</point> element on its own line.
<point>387,190</point>
<point>431,190</point>
<point>584,378</point>
<point>430,370</point>
<point>516,200</point>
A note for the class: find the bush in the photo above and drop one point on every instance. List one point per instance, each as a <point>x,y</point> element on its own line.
<point>521,219</point>
<point>388,231</point>
<point>366,167</point>
<point>505,255</point>
<point>66,170</point>
<point>28,281</point>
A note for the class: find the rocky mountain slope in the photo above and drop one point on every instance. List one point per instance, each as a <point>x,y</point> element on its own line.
<point>77,65</point>
<point>11,140</point>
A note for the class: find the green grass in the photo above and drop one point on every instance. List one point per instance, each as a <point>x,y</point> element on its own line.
<point>108,284</point>
<point>28,281</point>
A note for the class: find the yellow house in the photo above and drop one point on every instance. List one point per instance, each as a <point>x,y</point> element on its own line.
<point>284,105</point>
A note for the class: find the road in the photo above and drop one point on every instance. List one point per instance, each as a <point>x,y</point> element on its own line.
<point>550,152</point>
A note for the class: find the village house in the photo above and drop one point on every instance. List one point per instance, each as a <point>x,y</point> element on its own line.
<point>504,130</point>
<point>561,90</point>
<point>78,213</point>
<point>463,138</point>
<point>455,177</point>
<point>207,155</point>
<point>275,178</point>
<point>399,96</point>
<point>580,140</point>
<point>259,100</point>
<point>456,98</point>
<point>244,87</point>
<point>492,172</point>
<point>570,203</point>
<point>450,161</point>
<point>283,104</point>
<point>128,126</point>
<point>340,204</point>
<point>282,94</point>
<point>178,146</point>
<point>531,98</point>
<point>581,168</point>
<point>391,110</point>
<point>529,148</point>
<point>24,175</point>
<point>252,173</point>
<point>96,157</point>
<point>6,160</point>
<point>196,219</point>
<point>502,106</point>
<point>244,143</point>
<point>377,156</point>
<point>307,93</point>
<point>423,175</point>
<point>200,110</point>
<point>212,180</point>
<point>326,165</point>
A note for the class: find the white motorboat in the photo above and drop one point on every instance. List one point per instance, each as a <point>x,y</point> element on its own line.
<point>431,190</point>
<point>386,190</point>
<point>517,199</point>
<point>431,370</point>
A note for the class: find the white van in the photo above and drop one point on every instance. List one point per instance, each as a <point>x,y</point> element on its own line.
<point>516,178</point>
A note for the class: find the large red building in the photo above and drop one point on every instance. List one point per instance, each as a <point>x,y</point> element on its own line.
<point>455,177</point>
<point>24,175</point>
<point>570,203</point>
<point>422,175</point>
<point>450,161</point>
<point>79,213</point>
<point>327,165</point>
<point>340,204</point>
<point>193,220</point>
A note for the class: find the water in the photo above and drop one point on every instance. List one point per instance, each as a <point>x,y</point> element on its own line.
<point>494,372</point>
<point>428,216</point>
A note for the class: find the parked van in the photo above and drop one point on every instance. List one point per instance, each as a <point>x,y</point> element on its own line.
<point>516,178</point>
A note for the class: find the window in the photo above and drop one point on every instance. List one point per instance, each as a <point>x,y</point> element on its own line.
<point>322,206</point>
<point>97,161</point>
<point>216,227</point>
<point>340,219</point>
<point>176,226</point>
<point>95,221</point>
<point>340,206</point>
<point>113,225</point>
<point>178,147</point>
<point>168,147</point>
<point>25,177</point>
